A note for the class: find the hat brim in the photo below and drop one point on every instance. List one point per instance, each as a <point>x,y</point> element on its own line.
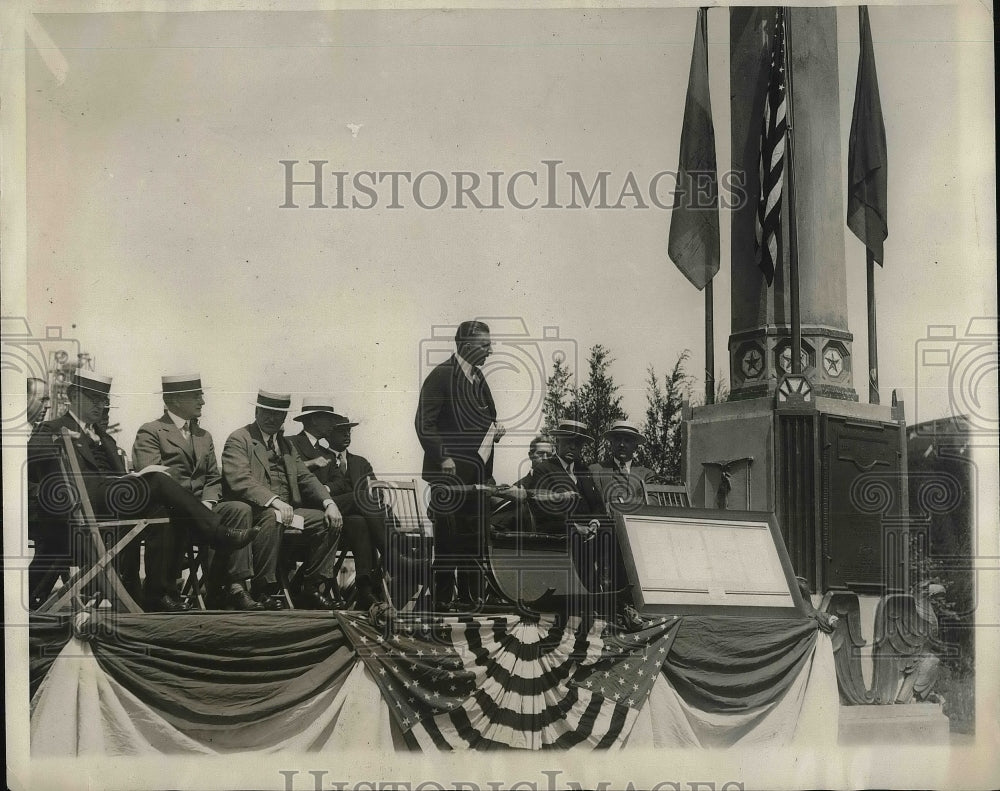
<point>272,408</point>
<point>561,432</point>
<point>93,390</point>
<point>632,434</point>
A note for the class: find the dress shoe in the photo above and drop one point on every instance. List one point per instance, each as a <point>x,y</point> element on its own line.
<point>167,603</point>
<point>313,600</point>
<point>241,600</point>
<point>272,602</point>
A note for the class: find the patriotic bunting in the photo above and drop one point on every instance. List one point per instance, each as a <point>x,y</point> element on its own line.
<point>507,681</point>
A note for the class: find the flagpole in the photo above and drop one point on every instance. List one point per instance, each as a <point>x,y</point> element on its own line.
<point>793,244</point>
<point>872,334</point>
<point>709,345</point>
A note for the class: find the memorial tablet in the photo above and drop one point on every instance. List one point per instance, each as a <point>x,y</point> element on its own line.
<point>707,561</point>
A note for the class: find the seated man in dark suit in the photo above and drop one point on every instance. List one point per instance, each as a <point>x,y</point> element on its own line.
<point>622,481</point>
<point>510,505</point>
<point>260,467</point>
<point>581,512</point>
<point>176,441</point>
<point>323,444</point>
<point>113,494</point>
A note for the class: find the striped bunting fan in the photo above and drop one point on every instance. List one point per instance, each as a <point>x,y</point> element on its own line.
<point>772,156</point>
<point>511,682</point>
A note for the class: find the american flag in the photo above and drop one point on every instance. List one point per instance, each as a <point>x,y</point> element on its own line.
<point>772,155</point>
<point>505,681</point>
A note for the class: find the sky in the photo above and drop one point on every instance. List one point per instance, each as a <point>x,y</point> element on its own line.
<point>156,239</point>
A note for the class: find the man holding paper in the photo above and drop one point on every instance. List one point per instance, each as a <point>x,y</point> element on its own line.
<point>260,467</point>
<point>456,423</point>
<point>176,441</point>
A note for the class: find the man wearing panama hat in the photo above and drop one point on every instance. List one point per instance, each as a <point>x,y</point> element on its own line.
<point>261,468</point>
<point>112,493</point>
<point>323,445</point>
<point>619,478</point>
<point>175,440</point>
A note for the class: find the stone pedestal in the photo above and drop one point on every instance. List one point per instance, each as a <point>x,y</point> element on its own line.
<point>904,724</point>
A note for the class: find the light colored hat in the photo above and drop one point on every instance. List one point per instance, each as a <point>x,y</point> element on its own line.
<point>627,428</point>
<point>279,402</point>
<point>321,405</point>
<point>183,383</point>
<point>572,428</point>
<point>89,380</point>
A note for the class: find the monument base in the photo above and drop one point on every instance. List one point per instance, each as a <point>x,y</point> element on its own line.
<point>905,723</point>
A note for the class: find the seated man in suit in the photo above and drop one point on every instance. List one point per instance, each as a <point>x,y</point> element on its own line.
<point>510,506</point>
<point>577,509</point>
<point>38,401</point>
<point>323,444</point>
<point>621,481</point>
<point>113,494</point>
<point>260,467</point>
<point>175,440</point>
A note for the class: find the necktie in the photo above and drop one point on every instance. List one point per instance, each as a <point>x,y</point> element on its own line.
<point>189,431</point>
<point>272,444</point>
<point>342,462</point>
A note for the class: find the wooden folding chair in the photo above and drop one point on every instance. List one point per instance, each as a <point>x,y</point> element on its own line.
<point>666,495</point>
<point>97,559</point>
<point>408,541</point>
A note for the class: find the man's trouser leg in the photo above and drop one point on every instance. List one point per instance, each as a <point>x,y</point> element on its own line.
<point>237,565</point>
<point>264,552</point>
<point>321,547</point>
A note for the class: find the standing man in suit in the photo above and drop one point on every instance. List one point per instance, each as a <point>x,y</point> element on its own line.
<point>323,444</point>
<point>113,494</point>
<point>456,424</point>
<point>621,481</point>
<point>260,467</point>
<point>176,441</point>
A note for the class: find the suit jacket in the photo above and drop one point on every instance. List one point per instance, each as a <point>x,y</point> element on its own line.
<point>45,447</point>
<point>616,487</point>
<point>342,488</point>
<point>551,476</point>
<point>453,416</point>
<point>161,442</point>
<point>246,471</point>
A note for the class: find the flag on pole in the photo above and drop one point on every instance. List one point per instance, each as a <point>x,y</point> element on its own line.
<point>772,156</point>
<point>694,219</point>
<point>867,191</point>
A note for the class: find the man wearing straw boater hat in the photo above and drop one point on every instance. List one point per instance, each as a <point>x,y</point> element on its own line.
<point>112,493</point>
<point>619,478</point>
<point>175,440</point>
<point>584,516</point>
<point>260,468</point>
<point>323,444</point>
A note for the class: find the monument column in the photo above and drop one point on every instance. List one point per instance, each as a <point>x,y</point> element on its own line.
<point>760,344</point>
<point>832,469</point>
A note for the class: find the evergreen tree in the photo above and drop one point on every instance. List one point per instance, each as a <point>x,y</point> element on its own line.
<point>597,402</point>
<point>558,395</point>
<point>662,450</point>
